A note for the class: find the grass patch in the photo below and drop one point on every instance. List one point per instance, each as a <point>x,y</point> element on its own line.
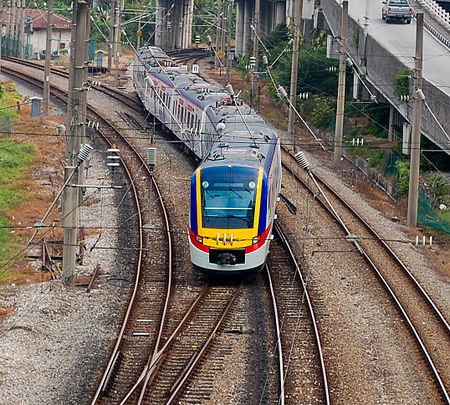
<point>7,243</point>
<point>9,198</point>
<point>15,158</point>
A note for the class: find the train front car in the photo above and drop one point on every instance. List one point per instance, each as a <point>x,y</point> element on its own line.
<point>233,199</point>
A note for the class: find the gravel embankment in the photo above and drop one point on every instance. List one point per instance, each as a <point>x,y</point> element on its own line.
<point>52,344</point>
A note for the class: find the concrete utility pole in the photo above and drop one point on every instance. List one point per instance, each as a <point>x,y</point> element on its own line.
<point>69,223</point>
<point>219,29</point>
<point>228,40</point>
<point>13,28</point>
<point>138,34</point>
<point>294,67</point>
<point>256,48</point>
<point>22,29</point>
<point>76,134</point>
<point>338,138</point>
<point>70,101</point>
<point>8,28</point>
<point>117,39</point>
<point>77,125</point>
<point>418,96</point>
<point>112,19</point>
<point>48,57</point>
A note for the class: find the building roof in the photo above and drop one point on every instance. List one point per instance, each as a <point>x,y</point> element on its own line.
<point>39,18</point>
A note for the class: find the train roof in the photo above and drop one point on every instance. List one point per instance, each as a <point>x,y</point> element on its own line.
<point>153,56</point>
<point>246,139</point>
<point>243,135</point>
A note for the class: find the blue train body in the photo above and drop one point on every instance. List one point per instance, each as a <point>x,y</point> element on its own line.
<point>235,188</point>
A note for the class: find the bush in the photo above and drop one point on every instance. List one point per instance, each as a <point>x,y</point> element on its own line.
<point>403,177</point>
<point>438,189</point>
<point>376,158</point>
<point>323,113</point>
<point>401,83</point>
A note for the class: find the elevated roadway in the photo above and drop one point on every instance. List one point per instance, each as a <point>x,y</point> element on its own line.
<point>389,48</point>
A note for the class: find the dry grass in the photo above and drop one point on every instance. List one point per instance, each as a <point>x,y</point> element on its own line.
<point>40,183</point>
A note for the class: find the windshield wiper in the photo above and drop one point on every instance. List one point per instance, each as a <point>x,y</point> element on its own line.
<point>235,192</point>
<point>247,220</point>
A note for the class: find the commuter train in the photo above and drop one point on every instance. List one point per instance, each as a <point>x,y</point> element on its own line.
<point>235,188</point>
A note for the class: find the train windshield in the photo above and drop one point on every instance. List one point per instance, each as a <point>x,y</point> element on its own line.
<point>228,196</point>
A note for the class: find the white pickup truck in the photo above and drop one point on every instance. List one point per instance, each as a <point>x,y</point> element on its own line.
<point>398,10</point>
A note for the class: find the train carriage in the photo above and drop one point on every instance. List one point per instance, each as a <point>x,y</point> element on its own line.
<point>235,188</point>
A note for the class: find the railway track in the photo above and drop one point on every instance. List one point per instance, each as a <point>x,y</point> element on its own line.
<point>422,316</point>
<point>131,100</point>
<point>151,361</point>
<point>175,361</point>
<point>144,308</point>
<point>303,373</point>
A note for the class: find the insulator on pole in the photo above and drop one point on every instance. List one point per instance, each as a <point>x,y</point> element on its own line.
<point>229,89</point>
<point>84,152</point>
<point>282,93</point>
<point>150,81</point>
<point>302,160</point>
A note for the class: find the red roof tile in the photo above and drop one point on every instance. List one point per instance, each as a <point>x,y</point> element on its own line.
<point>39,18</point>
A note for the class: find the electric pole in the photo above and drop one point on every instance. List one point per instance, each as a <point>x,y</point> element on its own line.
<point>418,97</point>
<point>219,28</point>
<point>228,40</point>
<point>117,36</point>
<point>76,133</point>
<point>112,19</point>
<point>69,116</point>
<point>13,28</point>
<point>138,34</point>
<point>69,223</point>
<point>256,48</point>
<point>48,57</point>
<point>294,68</point>
<point>22,29</point>
<point>338,138</point>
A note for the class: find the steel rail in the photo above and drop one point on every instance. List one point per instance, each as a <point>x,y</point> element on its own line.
<point>285,241</point>
<point>63,97</point>
<point>186,374</point>
<point>384,282</point>
<point>281,400</point>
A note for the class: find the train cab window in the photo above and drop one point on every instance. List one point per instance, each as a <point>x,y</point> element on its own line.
<point>228,197</point>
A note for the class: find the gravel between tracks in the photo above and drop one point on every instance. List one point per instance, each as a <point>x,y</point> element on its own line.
<point>52,344</point>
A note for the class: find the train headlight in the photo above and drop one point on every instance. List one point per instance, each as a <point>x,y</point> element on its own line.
<point>198,238</point>
<point>256,239</point>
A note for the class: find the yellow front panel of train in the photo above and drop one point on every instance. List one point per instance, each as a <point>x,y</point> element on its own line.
<point>239,237</point>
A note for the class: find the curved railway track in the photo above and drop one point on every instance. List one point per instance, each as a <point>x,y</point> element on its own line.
<point>426,322</point>
<point>164,342</point>
<point>135,337</point>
